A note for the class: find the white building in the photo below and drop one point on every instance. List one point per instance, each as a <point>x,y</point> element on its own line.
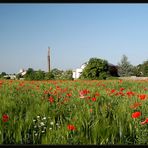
<point>22,72</point>
<point>76,73</point>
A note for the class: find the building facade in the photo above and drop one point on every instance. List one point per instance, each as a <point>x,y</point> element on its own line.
<point>77,72</point>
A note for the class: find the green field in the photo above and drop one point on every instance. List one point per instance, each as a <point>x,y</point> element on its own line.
<point>74,112</point>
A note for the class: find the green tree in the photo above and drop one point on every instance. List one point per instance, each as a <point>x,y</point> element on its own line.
<point>95,69</point>
<point>57,73</point>
<point>124,67</point>
<point>49,76</point>
<point>67,75</point>
<point>39,75</point>
<point>2,75</point>
<point>30,74</point>
<point>143,68</point>
<point>18,76</point>
<point>113,70</point>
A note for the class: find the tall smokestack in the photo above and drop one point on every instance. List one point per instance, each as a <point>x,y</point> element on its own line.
<point>48,59</point>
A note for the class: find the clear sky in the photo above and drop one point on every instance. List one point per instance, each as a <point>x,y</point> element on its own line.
<point>74,32</point>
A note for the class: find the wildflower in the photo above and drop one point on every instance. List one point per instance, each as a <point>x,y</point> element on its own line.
<point>145,121</point>
<point>50,128</point>
<point>71,127</point>
<point>93,99</point>
<point>51,123</point>
<point>45,92</point>
<point>35,134</point>
<point>142,96</point>
<point>136,114</point>
<point>51,100</point>
<point>135,105</point>
<point>120,81</point>
<point>97,94</point>
<point>57,124</point>
<point>69,94</point>
<point>121,89</point>
<point>130,93</point>
<point>5,118</point>
<point>44,118</point>
<point>84,92</point>
<point>42,124</point>
<point>38,117</point>
<point>113,90</point>
<point>91,110</point>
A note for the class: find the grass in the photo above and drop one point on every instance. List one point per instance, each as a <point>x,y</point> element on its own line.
<point>40,112</point>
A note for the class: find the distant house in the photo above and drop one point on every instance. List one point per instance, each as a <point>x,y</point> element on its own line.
<point>112,70</point>
<point>10,76</point>
<point>22,72</point>
<point>77,72</point>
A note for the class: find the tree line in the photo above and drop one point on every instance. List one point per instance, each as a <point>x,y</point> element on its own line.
<point>96,68</point>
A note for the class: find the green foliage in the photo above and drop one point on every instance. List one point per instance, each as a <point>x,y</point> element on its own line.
<point>143,69</point>
<point>67,75</point>
<point>39,75</point>
<point>30,74</point>
<point>2,75</point>
<point>113,70</point>
<point>49,76</point>
<point>124,67</point>
<point>34,119</point>
<point>95,69</point>
<point>18,76</point>
<point>34,75</point>
<point>57,73</point>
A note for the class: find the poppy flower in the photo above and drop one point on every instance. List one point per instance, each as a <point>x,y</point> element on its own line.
<point>120,81</point>
<point>136,114</point>
<point>94,99</point>
<point>5,118</point>
<point>145,121</point>
<point>71,127</point>
<point>91,110</point>
<point>121,89</point>
<point>51,100</point>
<point>142,96</point>
<point>130,93</point>
<point>69,94</point>
<point>135,105</point>
<point>113,90</point>
<point>97,94</point>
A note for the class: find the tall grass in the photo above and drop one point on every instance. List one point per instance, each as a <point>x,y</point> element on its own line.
<point>40,112</point>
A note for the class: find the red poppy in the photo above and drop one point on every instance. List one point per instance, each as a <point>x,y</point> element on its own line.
<point>45,92</point>
<point>5,118</point>
<point>130,93</point>
<point>94,99</point>
<point>136,114</point>
<point>71,127</point>
<point>145,121</point>
<point>121,89</point>
<point>97,94</point>
<point>113,90</point>
<point>51,100</point>
<point>91,110</point>
<point>142,96</point>
<point>69,94</point>
<point>135,105</point>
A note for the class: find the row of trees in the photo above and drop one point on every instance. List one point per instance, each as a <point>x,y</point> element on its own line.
<point>125,68</point>
<point>101,69</point>
<point>95,69</point>
<point>41,75</point>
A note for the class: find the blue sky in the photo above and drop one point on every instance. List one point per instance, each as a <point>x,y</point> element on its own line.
<point>74,32</point>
